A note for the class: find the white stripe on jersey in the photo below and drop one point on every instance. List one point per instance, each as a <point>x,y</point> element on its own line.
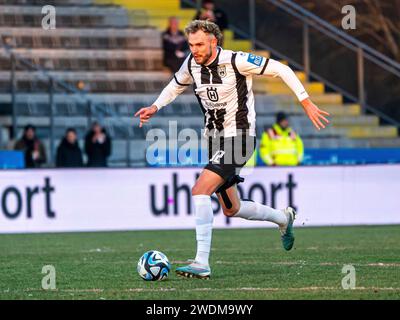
<point>224,88</point>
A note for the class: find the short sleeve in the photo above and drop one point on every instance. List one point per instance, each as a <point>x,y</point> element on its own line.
<point>182,76</point>
<point>249,63</point>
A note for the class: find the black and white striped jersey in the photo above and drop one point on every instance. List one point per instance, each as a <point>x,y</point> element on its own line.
<point>224,88</point>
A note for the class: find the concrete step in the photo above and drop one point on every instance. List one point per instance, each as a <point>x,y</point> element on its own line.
<point>67,16</point>
<point>53,2</point>
<point>372,132</point>
<point>45,121</point>
<point>161,23</point>
<point>262,53</point>
<point>48,54</point>
<point>238,45</point>
<point>381,142</point>
<point>327,98</point>
<point>146,4</point>
<point>69,38</point>
<point>362,120</point>
<point>92,75</point>
<point>319,99</point>
<point>228,34</point>
<point>90,59</point>
<point>266,79</point>
<point>282,88</point>
<point>343,110</point>
<point>162,13</point>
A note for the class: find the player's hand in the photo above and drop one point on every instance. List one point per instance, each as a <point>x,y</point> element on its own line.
<point>316,115</point>
<point>145,114</point>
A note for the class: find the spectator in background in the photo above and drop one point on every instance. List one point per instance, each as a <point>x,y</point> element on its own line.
<point>35,153</point>
<point>280,145</point>
<point>209,12</point>
<point>175,45</point>
<point>97,146</point>
<point>69,154</point>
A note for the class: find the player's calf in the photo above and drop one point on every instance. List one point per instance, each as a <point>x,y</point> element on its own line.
<point>231,211</point>
<point>229,201</point>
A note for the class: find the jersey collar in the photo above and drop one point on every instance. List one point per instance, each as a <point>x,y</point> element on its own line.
<point>215,61</point>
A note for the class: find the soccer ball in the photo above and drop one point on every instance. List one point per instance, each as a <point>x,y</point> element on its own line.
<point>153,266</point>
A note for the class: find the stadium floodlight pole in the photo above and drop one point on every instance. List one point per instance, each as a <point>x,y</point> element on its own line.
<point>252,23</point>
<point>306,49</point>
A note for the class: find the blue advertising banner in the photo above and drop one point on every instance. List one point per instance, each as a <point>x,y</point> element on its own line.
<point>351,156</point>
<point>342,156</point>
<point>12,160</point>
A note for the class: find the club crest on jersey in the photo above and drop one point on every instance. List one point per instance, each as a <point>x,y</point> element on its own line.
<point>222,71</point>
<point>212,94</point>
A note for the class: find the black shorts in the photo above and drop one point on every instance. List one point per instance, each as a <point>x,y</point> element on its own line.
<point>226,156</point>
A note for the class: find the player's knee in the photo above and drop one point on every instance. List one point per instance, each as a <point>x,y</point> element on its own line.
<point>195,190</point>
<point>230,212</point>
<point>199,190</point>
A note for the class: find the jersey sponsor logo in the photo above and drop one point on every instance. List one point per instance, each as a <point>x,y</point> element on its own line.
<point>212,105</point>
<point>212,94</point>
<point>216,158</point>
<point>222,71</point>
<point>256,60</point>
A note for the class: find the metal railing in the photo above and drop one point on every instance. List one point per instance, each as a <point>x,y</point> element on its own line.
<point>362,50</point>
<point>309,23</point>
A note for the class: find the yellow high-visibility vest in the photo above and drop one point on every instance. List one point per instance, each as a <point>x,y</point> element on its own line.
<point>281,147</point>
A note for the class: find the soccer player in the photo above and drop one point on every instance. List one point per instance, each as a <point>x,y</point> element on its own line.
<point>222,83</point>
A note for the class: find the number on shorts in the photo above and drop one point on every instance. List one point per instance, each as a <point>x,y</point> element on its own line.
<point>217,156</point>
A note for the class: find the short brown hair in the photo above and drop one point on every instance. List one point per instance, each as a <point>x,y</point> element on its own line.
<point>205,26</point>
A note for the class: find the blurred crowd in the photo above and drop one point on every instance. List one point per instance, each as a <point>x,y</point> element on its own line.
<point>280,145</point>
<point>97,147</point>
<point>175,45</point>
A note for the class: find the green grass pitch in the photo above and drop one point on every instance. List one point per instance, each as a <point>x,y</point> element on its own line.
<point>246,264</point>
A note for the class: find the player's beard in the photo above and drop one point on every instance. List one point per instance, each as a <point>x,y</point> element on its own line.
<point>207,57</point>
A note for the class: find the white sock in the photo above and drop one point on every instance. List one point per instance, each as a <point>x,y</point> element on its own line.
<point>256,211</point>
<point>204,220</point>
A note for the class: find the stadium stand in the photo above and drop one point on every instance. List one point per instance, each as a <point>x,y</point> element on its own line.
<point>112,51</point>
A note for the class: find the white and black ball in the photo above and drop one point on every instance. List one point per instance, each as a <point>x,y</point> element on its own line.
<point>153,266</point>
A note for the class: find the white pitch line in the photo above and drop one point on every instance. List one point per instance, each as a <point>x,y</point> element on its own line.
<point>381,264</point>
<point>138,290</point>
<point>264,289</point>
<point>303,263</point>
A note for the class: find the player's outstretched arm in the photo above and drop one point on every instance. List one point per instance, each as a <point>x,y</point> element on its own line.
<point>181,80</point>
<point>316,115</point>
<point>146,113</point>
<point>169,93</point>
<point>277,69</point>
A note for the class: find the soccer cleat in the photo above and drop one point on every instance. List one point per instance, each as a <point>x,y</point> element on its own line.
<point>194,270</point>
<point>287,235</point>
